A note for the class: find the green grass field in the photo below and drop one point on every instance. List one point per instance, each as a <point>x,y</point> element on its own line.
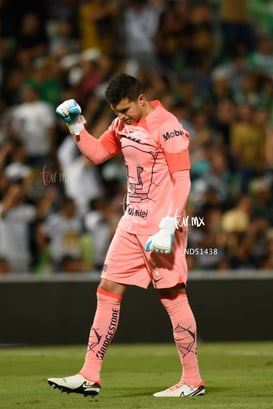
<point>237,375</point>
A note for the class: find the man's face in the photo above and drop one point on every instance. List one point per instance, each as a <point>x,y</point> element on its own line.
<point>130,112</point>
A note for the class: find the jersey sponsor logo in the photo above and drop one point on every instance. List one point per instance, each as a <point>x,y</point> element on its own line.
<point>172,134</point>
<point>139,213</point>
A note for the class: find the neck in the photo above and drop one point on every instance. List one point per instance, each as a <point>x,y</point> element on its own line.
<point>147,109</point>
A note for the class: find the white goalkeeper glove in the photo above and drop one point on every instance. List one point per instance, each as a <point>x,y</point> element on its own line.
<point>162,241</point>
<point>70,112</point>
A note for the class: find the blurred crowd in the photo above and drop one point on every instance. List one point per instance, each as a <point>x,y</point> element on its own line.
<point>209,62</point>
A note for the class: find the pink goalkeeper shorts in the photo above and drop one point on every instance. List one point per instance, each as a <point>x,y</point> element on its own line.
<point>128,263</point>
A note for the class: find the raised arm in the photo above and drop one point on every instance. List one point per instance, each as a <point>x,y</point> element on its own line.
<point>96,150</point>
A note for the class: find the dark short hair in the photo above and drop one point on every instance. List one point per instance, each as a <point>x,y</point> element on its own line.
<point>123,86</point>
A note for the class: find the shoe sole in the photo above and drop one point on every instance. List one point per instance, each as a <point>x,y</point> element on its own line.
<point>200,391</point>
<point>80,390</point>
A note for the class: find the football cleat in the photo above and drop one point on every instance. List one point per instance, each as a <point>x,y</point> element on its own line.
<point>181,390</point>
<point>76,384</point>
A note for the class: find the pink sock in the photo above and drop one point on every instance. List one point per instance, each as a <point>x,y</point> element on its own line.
<point>184,332</point>
<point>101,333</point>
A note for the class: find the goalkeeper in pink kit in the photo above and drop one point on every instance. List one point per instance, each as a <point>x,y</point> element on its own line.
<point>149,243</point>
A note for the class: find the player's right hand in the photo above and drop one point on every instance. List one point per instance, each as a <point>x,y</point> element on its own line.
<point>69,110</point>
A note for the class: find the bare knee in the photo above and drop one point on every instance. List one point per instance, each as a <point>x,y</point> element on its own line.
<point>113,287</point>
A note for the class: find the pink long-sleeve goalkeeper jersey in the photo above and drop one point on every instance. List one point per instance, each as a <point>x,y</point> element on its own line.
<point>153,148</point>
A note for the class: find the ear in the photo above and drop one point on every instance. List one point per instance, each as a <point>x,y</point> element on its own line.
<point>141,100</point>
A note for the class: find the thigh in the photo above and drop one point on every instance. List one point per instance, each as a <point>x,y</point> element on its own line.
<point>125,262</point>
<point>169,270</point>
<point>128,263</point>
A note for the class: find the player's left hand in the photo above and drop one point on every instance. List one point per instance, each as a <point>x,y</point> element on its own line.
<point>162,241</point>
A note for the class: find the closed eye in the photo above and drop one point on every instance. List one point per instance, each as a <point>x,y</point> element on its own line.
<point>123,111</point>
